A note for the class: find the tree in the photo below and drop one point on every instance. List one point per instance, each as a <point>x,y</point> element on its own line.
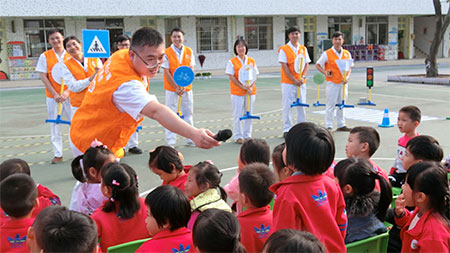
<point>442,22</point>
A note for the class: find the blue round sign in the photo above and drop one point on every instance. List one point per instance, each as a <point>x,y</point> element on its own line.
<point>183,76</point>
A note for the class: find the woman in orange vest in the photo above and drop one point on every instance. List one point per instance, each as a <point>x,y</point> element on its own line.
<point>78,71</point>
<point>239,90</point>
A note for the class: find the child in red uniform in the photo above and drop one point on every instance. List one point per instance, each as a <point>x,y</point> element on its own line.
<point>427,228</point>
<point>252,151</point>
<point>203,186</point>
<point>166,162</point>
<point>168,213</point>
<point>87,195</point>
<point>17,198</point>
<point>281,170</point>
<point>309,200</point>
<point>255,196</point>
<point>45,196</point>
<point>291,240</point>
<point>122,217</point>
<point>217,231</point>
<point>363,142</point>
<point>58,229</point>
<point>408,120</point>
<point>366,206</point>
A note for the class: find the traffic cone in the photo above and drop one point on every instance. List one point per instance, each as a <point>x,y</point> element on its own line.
<point>385,122</point>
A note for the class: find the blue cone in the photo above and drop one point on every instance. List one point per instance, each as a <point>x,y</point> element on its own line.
<point>386,122</point>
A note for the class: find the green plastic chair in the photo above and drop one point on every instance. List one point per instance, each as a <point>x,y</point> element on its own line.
<point>127,247</point>
<point>374,244</point>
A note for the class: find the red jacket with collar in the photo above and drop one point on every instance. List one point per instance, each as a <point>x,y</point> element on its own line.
<point>314,204</point>
<point>256,227</point>
<point>431,233</point>
<point>14,234</point>
<point>180,240</point>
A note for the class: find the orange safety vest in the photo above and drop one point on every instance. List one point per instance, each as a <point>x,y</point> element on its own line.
<point>174,63</point>
<point>97,116</point>
<point>336,76</point>
<point>290,55</point>
<point>234,89</point>
<point>79,73</point>
<point>51,58</point>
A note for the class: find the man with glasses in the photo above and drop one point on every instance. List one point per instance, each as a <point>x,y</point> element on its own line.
<point>117,100</point>
<point>124,42</point>
<point>178,55</point>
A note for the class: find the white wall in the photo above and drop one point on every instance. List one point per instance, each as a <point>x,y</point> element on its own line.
<point>446,43</point>
<point>358,31</point>
<point>410,40</point>
<point>424,28</point>
<point>392,52</point>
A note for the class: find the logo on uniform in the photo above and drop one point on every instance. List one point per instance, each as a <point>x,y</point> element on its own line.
<point>414,244</point>
<point>17,242</point>
<point>262,232</point>
<point>181,249</point>
<point>320,198</point>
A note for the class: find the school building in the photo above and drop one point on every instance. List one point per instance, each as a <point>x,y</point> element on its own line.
<point>373,29</point>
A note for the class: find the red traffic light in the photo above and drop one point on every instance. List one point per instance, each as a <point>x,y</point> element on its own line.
<point>369,71</point>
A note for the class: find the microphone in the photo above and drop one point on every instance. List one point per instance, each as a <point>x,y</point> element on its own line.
<point>223,135</point>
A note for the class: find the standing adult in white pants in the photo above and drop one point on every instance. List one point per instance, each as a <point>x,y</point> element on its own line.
<point>239,91</point>
<point>291,79</point>
<point>47,61</point>
<point>178,55</point>
<point>327,66</point>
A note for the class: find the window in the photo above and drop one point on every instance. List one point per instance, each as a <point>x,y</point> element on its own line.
<point>288,22</point>
<point>212,34</point>
<point>342,24</point>
<point>36,34</point>
<point>169,24</point>
<point>113,25</point>
<point>377,30</point>
<point>258,33</point>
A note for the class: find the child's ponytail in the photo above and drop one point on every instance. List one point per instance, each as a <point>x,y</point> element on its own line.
<point>94,157</point>
<point>122,180</point>
<point>385,195</point>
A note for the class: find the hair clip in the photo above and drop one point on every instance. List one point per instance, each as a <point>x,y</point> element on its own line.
<point>114,182</point>
<point>112,199</point>
<point>82,169</point>
<point>209,161</point>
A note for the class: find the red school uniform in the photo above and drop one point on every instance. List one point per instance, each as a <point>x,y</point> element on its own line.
<point>179,240</point>
<point>431,233</point>
<point>380,172</point>
<point>180,181</point>
<point>14,235</point>
<point>113,230</point>
<point>314,204</point>
<point>256,227</point>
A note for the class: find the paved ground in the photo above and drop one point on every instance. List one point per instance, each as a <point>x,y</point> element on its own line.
<point>24,134</point>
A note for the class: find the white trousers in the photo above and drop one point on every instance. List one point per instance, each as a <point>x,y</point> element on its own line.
<point>133,141</point>
<point>239,106</point>
<point>334,96</point>
<point>288,96</point>
<point>73,110</point>
<point>187,110</point>
<point>55,129</point>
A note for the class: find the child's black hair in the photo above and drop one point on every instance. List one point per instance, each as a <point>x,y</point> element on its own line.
<point>217,231</point>
<point>291,240</point>
<point>94,157</point>
<point>69,231</point>
<point>277,157</point>
<point>359,173</point>
<point>426,148</point>
<point>206,172</point>
<point>13,166</point>
<point>254,181</point>
<point>413,112</point>
<point>169,204</point>
<point>123,181</point>
<point>255,151</point>
<point>166,159</point>
<point>309,148</point>
<point>369,135</point>
<point>18,195</point>
<point>431,179</point>
<point>42,219</point>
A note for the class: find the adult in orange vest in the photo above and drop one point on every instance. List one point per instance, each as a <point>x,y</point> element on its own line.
<point>124,42</point>
<point>239,90</point>
<point>45,66</point>
<point>327,66</point>
<point>178,55</point>
<point>117,100</point>
<point>290,79</point>
<point>78,71</point>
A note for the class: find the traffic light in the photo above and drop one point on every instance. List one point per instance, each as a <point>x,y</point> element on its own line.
<point>369,74</point>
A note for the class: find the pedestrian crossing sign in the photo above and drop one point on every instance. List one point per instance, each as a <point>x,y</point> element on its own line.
<point>96,43</point>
